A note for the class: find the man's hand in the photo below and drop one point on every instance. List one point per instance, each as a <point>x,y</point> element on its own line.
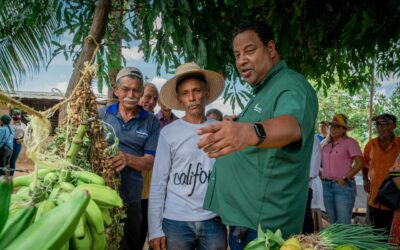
<point>158,243</point>
<point>341,182</point>
<point>119,161</point>
<point>225,137</point>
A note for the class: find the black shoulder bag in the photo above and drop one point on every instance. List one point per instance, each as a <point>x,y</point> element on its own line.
<point>388,194</point>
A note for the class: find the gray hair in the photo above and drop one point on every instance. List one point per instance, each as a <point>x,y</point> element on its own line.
<point>151,85</point>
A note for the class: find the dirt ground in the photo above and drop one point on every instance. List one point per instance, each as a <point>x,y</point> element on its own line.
<point>23,163</point>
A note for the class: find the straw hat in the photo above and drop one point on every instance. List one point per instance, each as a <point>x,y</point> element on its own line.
<point>342,120</point>
<point>215,84</point>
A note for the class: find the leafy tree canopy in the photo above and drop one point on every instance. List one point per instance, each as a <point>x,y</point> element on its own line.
<point>318,38</point>
<point>26,31</point>
<point>356,107</point>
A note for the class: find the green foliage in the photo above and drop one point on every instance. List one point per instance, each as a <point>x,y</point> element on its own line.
<point>356,107</point>
<point>26,34</point>
<point>321,39</point>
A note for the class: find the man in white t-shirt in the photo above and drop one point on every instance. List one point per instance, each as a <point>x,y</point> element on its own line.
<point>181,171</point>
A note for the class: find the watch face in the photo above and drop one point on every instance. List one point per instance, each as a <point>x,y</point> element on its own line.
<point>259,130</point>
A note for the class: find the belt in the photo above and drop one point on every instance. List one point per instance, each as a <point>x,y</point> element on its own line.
<point>329,180</point>
<point>333,180</point>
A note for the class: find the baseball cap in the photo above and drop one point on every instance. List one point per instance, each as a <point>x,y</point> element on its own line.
<point>16,112</point>
<point>385,118</point>
<point>130,71</point>
<point>5,119</point>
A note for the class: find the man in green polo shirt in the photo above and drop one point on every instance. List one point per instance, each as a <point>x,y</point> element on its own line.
<point>261,173</point>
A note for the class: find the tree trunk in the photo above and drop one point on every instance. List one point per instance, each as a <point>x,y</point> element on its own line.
<point>97,31</point>
<point>115,51</point>
<point>371,104</point>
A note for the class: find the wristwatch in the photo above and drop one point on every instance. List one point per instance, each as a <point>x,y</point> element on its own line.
<point>260,132</point>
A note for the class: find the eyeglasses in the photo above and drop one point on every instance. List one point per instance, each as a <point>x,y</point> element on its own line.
<point>336,126</point>
<point>383,124</point>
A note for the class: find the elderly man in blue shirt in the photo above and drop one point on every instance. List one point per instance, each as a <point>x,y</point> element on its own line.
<point>137,131</point>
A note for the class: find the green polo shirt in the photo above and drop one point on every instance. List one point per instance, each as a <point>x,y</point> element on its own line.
<point>268,186</point>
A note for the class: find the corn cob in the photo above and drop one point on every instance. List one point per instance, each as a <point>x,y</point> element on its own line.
<point>80,228</point>
<point>5,199</point>
<point>50,178</point>
<point>63,197</point>
<point>106,216</point>
<point>89,177</point>
<point>98,240</point>
<point>22,181</point>
<point>104,196</point>
<point>16,225</point>
<point>43,208</point>
<point>83,243</point>
<point>66,186</point>
<point>54,229</point>
<point>94,217</point>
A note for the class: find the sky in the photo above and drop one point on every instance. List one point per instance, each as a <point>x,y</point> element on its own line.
<point>59,71</point>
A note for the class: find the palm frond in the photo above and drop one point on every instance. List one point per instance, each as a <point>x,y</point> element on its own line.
<point>26,31</point>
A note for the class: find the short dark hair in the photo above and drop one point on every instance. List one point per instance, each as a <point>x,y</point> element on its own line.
<point>197,76</point>
<point>262,29</point>
<point>323,123</point>
<point>216,112</point>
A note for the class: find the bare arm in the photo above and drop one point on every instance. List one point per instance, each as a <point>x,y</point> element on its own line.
<point>222,138</point>
<point>366,182</point>
<point>358,163</point>
<point>138,163</point>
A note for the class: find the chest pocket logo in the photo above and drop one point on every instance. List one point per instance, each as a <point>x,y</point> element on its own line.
<point>142,134</point>
<point>257,108</point>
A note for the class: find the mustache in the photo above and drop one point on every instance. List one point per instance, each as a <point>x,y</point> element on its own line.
<point>192,104</point>
<point>130,99</point>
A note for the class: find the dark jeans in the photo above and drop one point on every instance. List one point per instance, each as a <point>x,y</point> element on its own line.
<point>308,226</point>
<point>5,155</point>
<point>339,201</point>
<point>131,239</point>
<point>381,218</point>
<point>239,240</point>
<point>144,228</point>
<point>17,149</point>
<point>189,235</point>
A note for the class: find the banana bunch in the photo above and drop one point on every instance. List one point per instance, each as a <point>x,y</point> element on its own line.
<point>58,209</point>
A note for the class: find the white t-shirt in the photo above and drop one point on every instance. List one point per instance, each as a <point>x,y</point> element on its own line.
<point>315,182</point>
<point>19,128</point>
<point>180,178</point>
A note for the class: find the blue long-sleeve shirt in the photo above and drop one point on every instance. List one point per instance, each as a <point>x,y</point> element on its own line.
<point>6,136</point>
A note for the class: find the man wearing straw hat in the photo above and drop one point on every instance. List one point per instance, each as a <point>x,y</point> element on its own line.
<point>261,174</point>
<point>137,131</point>
<point>177,220</point>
